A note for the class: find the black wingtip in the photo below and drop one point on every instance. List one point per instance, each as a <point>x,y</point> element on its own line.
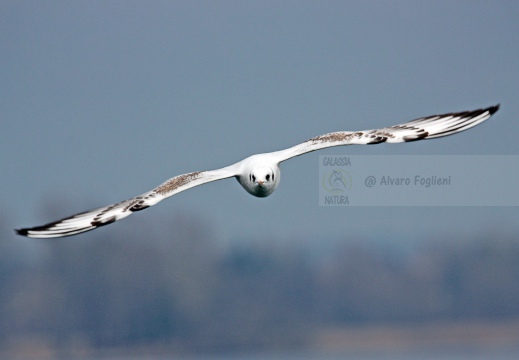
<point>493,109</point>
<point>22,232</point>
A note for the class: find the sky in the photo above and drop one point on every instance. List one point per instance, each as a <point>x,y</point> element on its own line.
<point>103,100</point>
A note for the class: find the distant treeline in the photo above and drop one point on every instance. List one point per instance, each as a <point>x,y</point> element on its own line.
<point>183,288</point>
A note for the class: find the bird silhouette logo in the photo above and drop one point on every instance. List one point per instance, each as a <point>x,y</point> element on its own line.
<point>336,181</point>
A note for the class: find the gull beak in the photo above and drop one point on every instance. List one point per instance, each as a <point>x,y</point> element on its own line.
<point>260,182</point>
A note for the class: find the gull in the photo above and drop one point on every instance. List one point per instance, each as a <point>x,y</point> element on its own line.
<point>259,174</point>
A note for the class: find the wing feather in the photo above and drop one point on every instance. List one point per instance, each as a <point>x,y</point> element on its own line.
<point>429,127</point>
<point>95,218</point>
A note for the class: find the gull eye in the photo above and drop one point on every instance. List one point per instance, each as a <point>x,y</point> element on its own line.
<point>267,177</point>
<point>253,178</point>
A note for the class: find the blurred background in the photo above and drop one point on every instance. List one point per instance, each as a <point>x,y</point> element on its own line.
<point>103,100</point>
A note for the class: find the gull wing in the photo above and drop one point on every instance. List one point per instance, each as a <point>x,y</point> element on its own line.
<point>424,128</point>
<point>95,218</point>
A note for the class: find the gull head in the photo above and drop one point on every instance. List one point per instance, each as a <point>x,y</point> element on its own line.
<point>261,181</point>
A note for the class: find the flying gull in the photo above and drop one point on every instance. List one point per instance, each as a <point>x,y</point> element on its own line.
<point>259,174</point>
